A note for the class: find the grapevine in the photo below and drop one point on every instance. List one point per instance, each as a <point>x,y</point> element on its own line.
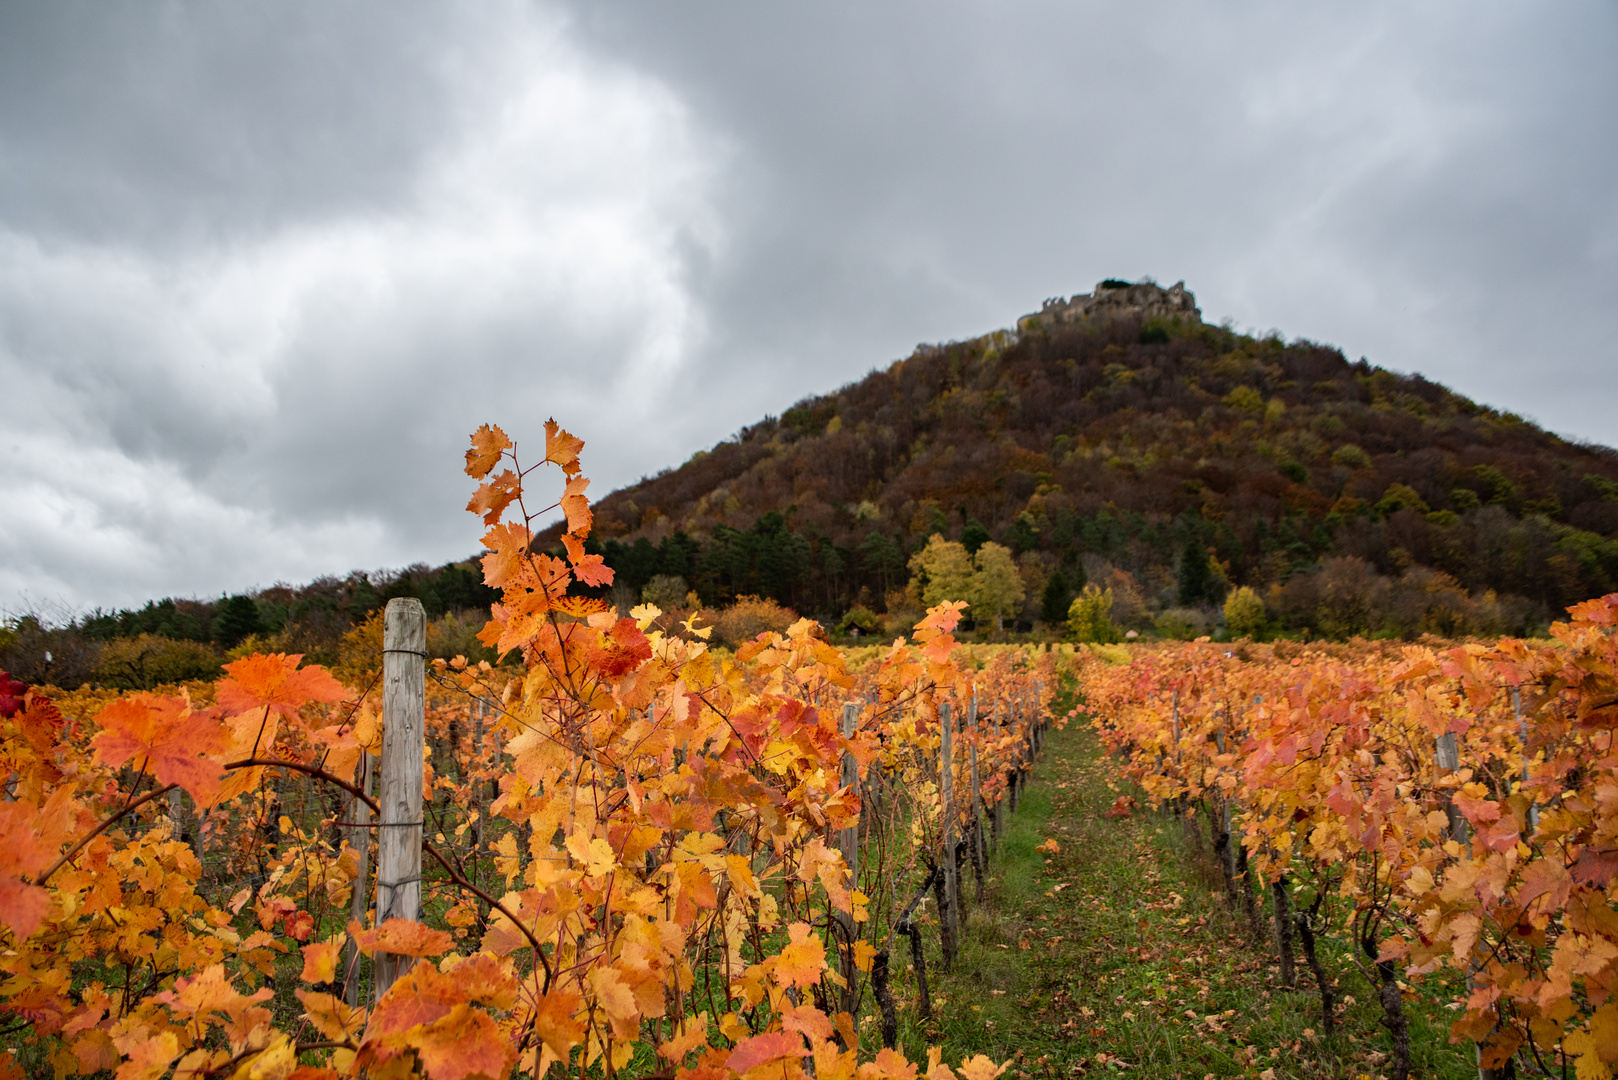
<point>638,848</point>
<point>1450,813</point>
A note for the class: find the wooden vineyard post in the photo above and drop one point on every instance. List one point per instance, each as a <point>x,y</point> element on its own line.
<point>1015,772</point>
<point>1447,756</point>
<point>980,851</point>
<point>1000,803</point>
<point>404,740</point>
<point>848,840</point>
<point>359,838</point>
<point>1522,727</point>
<point>946,802</point>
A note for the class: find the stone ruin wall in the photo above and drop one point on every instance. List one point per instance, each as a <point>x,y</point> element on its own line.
<point>1143,300</point>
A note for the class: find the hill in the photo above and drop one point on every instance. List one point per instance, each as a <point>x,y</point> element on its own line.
<point>1112,437</point>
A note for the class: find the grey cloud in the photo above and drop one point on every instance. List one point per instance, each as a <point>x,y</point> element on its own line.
<point>262,268</point>
<point>1414,184</point>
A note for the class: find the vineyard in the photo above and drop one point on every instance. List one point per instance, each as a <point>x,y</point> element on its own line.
<point>621,851</point>
<point>1444,819</point>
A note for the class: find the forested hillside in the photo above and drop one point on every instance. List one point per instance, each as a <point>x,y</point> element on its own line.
<point>1351,498</point>
<point>1114,439</point>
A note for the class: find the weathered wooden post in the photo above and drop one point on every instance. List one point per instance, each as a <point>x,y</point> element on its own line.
<point>946,801</point>
<point>1015,772</point>
<point>848,840</point>
<point>1522,727</point>
<point>404,740</point>
<point>359,838</point>
<point>1000,803</point>
<point>980,852</point>
<point>1447,755</point>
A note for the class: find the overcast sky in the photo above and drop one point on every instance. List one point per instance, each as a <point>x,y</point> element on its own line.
<point>264,266</point>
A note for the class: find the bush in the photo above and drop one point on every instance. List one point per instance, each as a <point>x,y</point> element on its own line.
<point>1089,617</point>
<point>749,617</point>
<point>859,618</point>
<point>1245,616</point>
<point>666,591</point>
<point>1182,624</point>
<point>147,660</point>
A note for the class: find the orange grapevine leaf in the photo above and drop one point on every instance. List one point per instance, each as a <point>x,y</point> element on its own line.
<point>508,553</point>
<point>556,1020</point>
<point>764,1049</point>
<point>980,1068</point>
<point>492,498</point>
<point>331,1015</point>
<point>562,448</point>
<point>276,682</point>
<point>147,1056</point>
<point>692,1035</point>
<point>809,1020</point>
<point>401,937</point>
<point>178,745</point>
<point>320,960</point>
<point>576,506</point>
<point>488,443</point>
<point>803,960</point>
<point>34,837</point>
<point>464,1043</point>
<point>581,607</point>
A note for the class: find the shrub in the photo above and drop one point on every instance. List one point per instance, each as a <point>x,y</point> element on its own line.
<point>666,591</point>
<point>1245,616</point>
<point>749,617</point>
<point>147,660</point>
<point>1182,624</point>
<point>1089,617</point>
<point>860,618</point>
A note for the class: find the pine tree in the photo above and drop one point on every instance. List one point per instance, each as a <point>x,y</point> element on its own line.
<point>1196,579</point>
<point>1054,601</point>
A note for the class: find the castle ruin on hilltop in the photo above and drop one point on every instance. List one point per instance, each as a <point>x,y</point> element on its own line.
<point>1113,300</point>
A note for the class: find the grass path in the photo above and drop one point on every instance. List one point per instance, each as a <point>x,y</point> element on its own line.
<point>1112,957</point>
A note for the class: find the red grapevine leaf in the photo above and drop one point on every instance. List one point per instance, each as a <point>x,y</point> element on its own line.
<point>620,650</point>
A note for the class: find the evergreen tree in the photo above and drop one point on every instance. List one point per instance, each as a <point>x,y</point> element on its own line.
<point>974,536</point>
<point>235,620</point>
<point>1054,601</point>
<point>1196,579</point>
<point>1022,535</point>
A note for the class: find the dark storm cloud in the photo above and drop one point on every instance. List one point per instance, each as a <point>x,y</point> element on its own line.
<point>263,266</point>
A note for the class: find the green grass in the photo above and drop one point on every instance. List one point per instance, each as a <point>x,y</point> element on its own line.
<point>1114,956</point>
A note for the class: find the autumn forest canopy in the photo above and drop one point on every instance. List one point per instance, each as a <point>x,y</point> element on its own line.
<point>1164,462</point>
